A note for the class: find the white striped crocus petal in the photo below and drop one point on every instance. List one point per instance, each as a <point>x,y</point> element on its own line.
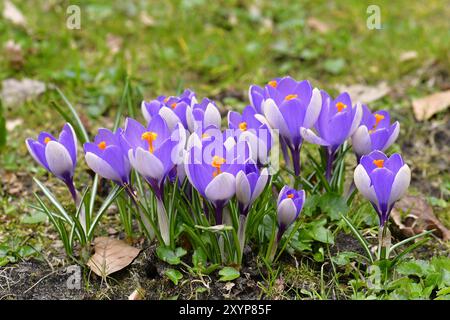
<point>58,159</point>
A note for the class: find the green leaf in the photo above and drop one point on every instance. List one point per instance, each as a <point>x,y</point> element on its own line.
<point>228,274</point>
<point>2,127</point>
<point>34,218</point>
<point>319,233</point>
<point>344,258</point>
<point>319,255</point>
<point>333,205</point>
<point>414,267</point>
<point>174,275</point>
<point>199,258</point>
<point>170,256</point>
<point>334,66</point>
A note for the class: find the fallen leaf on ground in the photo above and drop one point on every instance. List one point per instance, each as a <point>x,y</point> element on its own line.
<point>146,20</point>
<point>111,255</point>
<point>366,94</point>
<point>317,25</point>
<point>114,43</point>
<point>424,108</point>
<point>408,55</point>
<point>14,54</point>
<point>12,124</point>
<point>16,92</point>
<point>418,218</point>
<point>137,294</point>
<point>13,14</point>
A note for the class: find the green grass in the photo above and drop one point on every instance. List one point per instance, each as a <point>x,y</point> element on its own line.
<point>217,48</point>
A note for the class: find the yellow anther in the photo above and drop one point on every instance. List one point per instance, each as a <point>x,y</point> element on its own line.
<point>290,196</point>
<point>102,145</point>
<point>47,140</point>
<point>243,126</point>
<point>216,163</point>
<point>173,105</point>
<point>273,83</point>
<point>205,135</point>
<point>379,163</point>
<point>149,136</point>
<point>340,106</point>
<point>290,97</point>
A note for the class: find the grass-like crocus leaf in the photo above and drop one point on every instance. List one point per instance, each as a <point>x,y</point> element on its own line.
<point>359,237</point>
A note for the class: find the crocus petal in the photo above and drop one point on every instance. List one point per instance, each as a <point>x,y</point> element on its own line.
<point>101,167</point>
<point>37,151</point>
<point>311,137</point>
<point>221,188</point>
<point>58,159</point>
<point>281,194</point>
<point>260,185</point>
<point>313,110</point>
<point>286,213</point>
<point>243,192</point>
<point>68,139</point>
<point>274,117</point>
<point>171,118</point>
<point>400,184</point>
<point>393,136</point>
<point>361,141</point>
<point>145,113</point>
<point>146,164</point>
<point>363,183</point>
<point>356,119</point>
<point>212,116</point>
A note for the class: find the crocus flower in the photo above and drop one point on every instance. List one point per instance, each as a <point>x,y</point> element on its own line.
<point>58,156</point>
<point>204,114</point>
<point>289,105</point>
<point>211,166</point>
<point>338,120</point>
<point>374,133</point>
<point>174,109</point>
<point>290,203</point>
<point>250,183</point>
<point>382,181</point>
<point>248,128</point>
<point>107,157</point>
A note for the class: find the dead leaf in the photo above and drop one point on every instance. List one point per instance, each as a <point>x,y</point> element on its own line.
<point>13,14</point>
<point>408,55</point>
<point>424,108</point>
<point>114,43</point>
<point>137,294</point>
<point>418,218</point>
<point>366,94</point>
<point>16,92</point>
<point>14,54</point>
<point>317,25</point>
<point>111,255</point>
<point>146,20</point>
<point>12,124</point>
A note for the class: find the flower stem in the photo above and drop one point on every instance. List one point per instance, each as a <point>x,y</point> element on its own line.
<point>330,159</point>
<point>296,160</point>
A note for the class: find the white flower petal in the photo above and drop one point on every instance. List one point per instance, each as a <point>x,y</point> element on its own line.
<point>243,192</point>
<point>212,116</point>
<point>311,137</point>
<point>260,184</point>
<point>171,118</point>
<point>361,141</point>
<point>252,142</point>
<point>221,188</point>
<point>357,119</point>
<point>363,183</point>
<point>101,167</point>
<point>58,159</point>
<point>400,184</point>
<point>148,165</point>
<point>281,193</point>
<point>275,118</point>
<point>286,213</point>
<point>313,111</point>
<point>393,136</point>
<point>145,112</point>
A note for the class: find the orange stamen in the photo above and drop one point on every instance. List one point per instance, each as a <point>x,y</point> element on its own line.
<point>273,83</point>
<point>47,140</point>
<point>217,162</point>
<point>378,118</point>
<point>102,145</point>
<point>149,136</point>
<point>243,126</point>
<point>173,105</point>
<point>290,97</point>
<point>378,163</point>
<point>340,106</point>
<point>290,196</point>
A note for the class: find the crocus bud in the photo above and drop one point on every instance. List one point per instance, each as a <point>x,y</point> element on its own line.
<point>250,183</point>
<point>290,203</point>
<point>382,181</point>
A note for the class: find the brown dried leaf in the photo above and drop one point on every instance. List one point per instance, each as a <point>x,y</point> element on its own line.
<point>424,108</point>
<point>366,94</point>
<point>317,25</point>
<point>16,92</point>
<point>408,55</point>
<point>111,255</point>
<point>114,43</point>
<point>418,218</point>
<point>13,14</point>
<point>137,294</point>
<point>146,19</point>
<point>14,54</point>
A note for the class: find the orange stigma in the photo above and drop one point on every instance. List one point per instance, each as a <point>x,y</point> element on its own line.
<point>378,118</point>
<point>273,83</point>
<point>217,162</point>
<point>47,140</point>
<point>149,136</point>
<point>102,145</point>
<point>340,106</point>
<point>173,105</point>
<point>290,196</point>
<point>243,126</point>
<point>290,97</point>
<point>378,163</point>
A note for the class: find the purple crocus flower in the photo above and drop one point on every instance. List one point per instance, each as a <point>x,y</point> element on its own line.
<point>338,120</point>
<point>211,166</point>
<point>107,157</point>
<point>289,105</point>
<point>250,183</point>
<point>174,109</point>
<point>58,156</point>
<point>248,128</point>
<point>290,203</point>
<point>204,114</point>
<point>382,181</point>
<point>151,150</point>
<point>374,133</point>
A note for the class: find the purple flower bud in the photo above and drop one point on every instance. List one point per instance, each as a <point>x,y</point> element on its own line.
<point>382,181</point>
<point>290,203</point>
<point>250,183</point>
